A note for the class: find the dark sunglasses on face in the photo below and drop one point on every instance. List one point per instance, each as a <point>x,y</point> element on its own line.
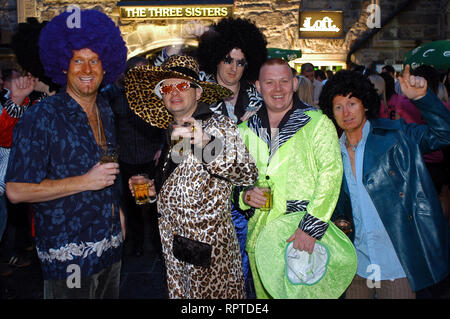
<point>181,87</point>
<point>229,60</point>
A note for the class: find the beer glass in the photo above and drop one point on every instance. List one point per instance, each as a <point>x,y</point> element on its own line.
<point>268,194</point>
<point>109,153</point>
<point>140,187</point>
<point>344,224</point>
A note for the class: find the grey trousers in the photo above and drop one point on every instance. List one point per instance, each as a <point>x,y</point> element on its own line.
<point>395,289</point>
<point>102,285</point>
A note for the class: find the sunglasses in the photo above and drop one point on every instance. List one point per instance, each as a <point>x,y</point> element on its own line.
<point>181,87</point>
<point>229,60</point>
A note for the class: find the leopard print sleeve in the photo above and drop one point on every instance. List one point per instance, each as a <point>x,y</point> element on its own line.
<point>229,157</point>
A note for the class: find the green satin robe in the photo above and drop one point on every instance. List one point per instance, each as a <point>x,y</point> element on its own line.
<point>306,168</point>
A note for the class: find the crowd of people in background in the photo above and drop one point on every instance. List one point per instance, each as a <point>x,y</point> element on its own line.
<point>365,148</point>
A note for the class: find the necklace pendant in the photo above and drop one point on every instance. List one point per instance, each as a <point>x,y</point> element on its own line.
<point>352,146</point>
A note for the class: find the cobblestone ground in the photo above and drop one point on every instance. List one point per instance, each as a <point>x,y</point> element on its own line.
<point>141,278</point>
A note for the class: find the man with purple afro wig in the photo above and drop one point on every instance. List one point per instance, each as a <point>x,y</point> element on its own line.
<point>56,159</point>
<point>95,31</point>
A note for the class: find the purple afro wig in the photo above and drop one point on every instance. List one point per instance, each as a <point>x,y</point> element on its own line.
<point>95,31</point>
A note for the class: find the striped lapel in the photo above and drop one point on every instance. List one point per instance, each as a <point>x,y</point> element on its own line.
<point>292,122</point>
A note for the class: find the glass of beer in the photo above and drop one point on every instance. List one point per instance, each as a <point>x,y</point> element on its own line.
<point>109,153</point>
<point>140,187</point>
<point>268,194</point>
<point>344,224</point>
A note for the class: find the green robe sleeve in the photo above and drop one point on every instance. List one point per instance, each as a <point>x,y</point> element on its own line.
<point>327,154</point>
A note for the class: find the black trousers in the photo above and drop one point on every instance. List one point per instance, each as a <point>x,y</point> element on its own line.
<point>17,235</point>
<point>134,214</point>
<point>103,285</point>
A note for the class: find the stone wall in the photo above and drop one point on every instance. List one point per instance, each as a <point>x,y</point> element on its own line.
<point>419,21</point>
<point>278,19</point>
<point>47,9</point>
<point>8,19</point>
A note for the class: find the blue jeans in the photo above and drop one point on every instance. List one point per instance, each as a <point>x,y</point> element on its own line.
<point>102,285</point>
<point>240,225</point>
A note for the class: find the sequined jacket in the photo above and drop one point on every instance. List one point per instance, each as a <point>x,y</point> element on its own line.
<point>304,165</point>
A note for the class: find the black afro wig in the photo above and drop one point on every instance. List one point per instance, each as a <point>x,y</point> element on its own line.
<point>345,82</point>
<point>25,44</point>
<point>226,35</point>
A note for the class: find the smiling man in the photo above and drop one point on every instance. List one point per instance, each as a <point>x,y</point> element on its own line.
<point>54,161</point>
<point>399,229</point>
<point>200,247</point>
<point>231,53</point>
<point>297,150</point>
<point>85,74</point>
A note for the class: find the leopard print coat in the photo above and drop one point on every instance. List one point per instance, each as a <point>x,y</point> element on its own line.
<point>194,202</point>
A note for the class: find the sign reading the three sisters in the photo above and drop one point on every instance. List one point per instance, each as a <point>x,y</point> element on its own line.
<point>320,24</point>
<point>175,12</point>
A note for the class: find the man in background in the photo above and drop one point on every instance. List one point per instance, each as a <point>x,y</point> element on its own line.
<point>307,70</point>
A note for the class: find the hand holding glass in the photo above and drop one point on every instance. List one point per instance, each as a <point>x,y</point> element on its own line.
<point>264,186</point>
<point>344,224</point>
<point>109,153</point>
<point>142,188</point>
<point>259,196</point>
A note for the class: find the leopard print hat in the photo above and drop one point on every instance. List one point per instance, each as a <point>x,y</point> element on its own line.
<point>140,83</point>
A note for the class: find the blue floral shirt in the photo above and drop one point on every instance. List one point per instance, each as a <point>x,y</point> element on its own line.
<point>52,141</point>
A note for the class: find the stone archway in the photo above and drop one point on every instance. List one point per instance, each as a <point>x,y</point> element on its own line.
<point>150,37</point>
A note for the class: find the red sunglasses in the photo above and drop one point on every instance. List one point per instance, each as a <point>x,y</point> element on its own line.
<point>181,87</point>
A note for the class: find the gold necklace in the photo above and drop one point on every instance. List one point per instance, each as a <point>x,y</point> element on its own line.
<point>98,125</point>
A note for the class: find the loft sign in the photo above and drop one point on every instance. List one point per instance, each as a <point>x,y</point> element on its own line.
<point>321,24</point>
<point>175,12</point>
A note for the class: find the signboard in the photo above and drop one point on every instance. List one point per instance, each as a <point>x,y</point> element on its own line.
<point>321,24</point>
<point>149,11</point>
